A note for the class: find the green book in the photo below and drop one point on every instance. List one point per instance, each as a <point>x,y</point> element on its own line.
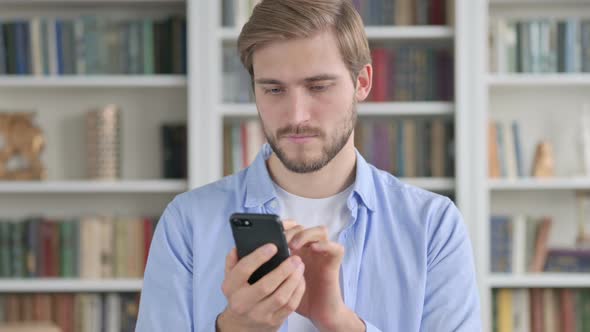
<point>148,46</point>
<point>5,248</point>
<point>18,250</point>
<point>67,250</point>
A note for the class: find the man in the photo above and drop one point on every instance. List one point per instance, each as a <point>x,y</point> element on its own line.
<point>369,253</point>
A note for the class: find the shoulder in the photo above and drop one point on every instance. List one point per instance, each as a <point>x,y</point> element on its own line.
<point>394,192</point>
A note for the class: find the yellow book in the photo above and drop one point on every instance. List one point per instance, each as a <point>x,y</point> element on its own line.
<point>505,319</point>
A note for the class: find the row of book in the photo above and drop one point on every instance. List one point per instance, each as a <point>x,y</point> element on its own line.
<point>404,73</point>
<point>540,45</point>
<point>373,12</point>
<point>412,73</point>
<point>505,156</point>
<point>237,84</point>
<point>406,147</point>
<point>174,150</point>
<point>540,309</point>
<point>91,45</point>
<point>519,244</point>
<point>87,247</point>
<point>405,12</point>
<point>73,312</point>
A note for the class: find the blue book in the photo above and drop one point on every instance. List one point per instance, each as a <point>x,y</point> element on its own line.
<point>59,46</point>
<point>571,41</point>
<point>401,160</point>
<point>585,35</point>
<point>21,48</point>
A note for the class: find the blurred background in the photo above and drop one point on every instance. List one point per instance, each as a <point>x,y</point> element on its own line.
<point>110,108</point>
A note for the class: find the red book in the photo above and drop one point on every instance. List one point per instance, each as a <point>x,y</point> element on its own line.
<point>148,232</point>
<point>437,12</point>
<point>64,311</point>
<point>540,254</point>
<point>537,317</point>
<point>46,252</point>
<point>381,77</point>
<point>567,311</point>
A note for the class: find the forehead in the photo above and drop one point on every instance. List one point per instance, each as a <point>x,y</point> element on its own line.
<point>299,58</point>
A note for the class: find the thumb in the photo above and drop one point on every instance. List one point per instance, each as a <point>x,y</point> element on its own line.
<point>231,260</point>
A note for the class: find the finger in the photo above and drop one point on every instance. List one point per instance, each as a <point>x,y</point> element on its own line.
<point>282,295</point>
<point>293,304</point>
<point>314,234</point>
<point>231,260</point>
<point>288,224</point>
<point>291,232</point>
<point>328,248</point>
<point>238,276</point>
<point>268,284</point>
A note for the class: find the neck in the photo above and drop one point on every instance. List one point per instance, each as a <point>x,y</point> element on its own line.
<point>333,178</point>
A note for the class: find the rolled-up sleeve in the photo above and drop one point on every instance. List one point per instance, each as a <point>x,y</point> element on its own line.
<point>166,297</point>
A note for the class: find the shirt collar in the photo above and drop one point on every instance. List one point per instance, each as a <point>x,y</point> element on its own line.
<point>260,189</point>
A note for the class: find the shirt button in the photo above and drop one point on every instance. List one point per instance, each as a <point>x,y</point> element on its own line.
<point>274,204</point>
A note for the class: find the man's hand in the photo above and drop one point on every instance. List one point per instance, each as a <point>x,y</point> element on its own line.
<point>322,302</point>
<point>266,304</point>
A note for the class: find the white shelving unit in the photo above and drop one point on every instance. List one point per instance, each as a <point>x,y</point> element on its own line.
<point>388,33</point>
<point>122,81</point>
<point>220,36</point>
<point>539,80</point>
<point>364,109</point>
<point>528,184</point>
<point>146,102</point>
<point>545,280</point>
<point>69,285</point>
<point>546,107</point>
<point>94,187</point>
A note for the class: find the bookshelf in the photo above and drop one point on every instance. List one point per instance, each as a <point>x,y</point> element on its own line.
<point>96,81</point>
<point>147,101</point>
<point>534,101</point>
<point>70,285</point>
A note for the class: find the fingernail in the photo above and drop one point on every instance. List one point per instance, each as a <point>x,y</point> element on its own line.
<point>269,249</point>
<point>296,261</point>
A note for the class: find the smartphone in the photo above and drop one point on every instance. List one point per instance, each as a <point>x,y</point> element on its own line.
<point>252,231</point>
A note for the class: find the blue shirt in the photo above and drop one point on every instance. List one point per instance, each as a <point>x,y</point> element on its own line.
<point>408,263</point>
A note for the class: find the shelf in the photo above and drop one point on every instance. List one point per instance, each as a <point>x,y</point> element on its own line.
<point>432,184</point>
<point>89,2</point>
<point>364,109</point>
<point>581,183</point>
<point>124,186</point>
<point>112,81</point>
<point>374,32</point>
<point>69,285</point>
<point>537,80</point>
<point>549,280</point>
<point>537,2</point>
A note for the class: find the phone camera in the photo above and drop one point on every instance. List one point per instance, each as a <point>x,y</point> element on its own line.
<point>246,223</point>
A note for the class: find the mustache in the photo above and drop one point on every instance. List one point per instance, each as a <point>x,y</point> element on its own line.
<point>299,130</point>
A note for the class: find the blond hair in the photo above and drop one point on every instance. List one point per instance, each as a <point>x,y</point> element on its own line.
<point>274,20</point>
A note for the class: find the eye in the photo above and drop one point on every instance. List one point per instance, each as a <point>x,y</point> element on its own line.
<point>273,91</point>
<point>318,88</point>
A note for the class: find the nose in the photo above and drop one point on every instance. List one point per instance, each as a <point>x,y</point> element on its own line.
<point>297,107</point>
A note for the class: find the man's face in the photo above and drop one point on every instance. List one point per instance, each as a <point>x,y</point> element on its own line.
<point>306,100</point>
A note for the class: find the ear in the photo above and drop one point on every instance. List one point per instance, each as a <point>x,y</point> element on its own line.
<point>364,82</point>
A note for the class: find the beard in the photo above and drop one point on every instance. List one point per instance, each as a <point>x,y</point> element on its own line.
<point>331,144</point>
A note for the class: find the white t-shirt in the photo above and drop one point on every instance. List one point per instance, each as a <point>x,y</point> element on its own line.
<point>310,212</point>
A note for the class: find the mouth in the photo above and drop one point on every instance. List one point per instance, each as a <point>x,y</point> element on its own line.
<point>300,138</point>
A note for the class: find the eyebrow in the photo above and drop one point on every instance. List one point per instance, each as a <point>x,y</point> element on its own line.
<point>317,78</point>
